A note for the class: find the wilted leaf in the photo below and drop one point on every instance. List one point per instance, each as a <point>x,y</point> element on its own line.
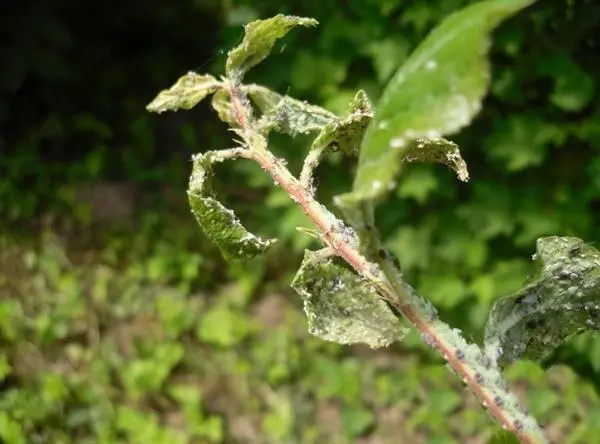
<point>347,132</point>
<point>287,115</point>
<point>186,93</point>
<point>343,308</point>
<point>436,92</point>
<point>220,103</point>
<point>218,223</point>
<point>561,299</point>
<point>438,150</point>
<point>259,38</point>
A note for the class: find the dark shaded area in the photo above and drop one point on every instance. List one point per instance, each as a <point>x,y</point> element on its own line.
<point>75,81</point>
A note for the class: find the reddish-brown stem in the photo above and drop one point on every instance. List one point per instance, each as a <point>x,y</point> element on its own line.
<point>392,293</point>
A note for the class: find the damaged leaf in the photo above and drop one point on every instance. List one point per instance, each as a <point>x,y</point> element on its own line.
<point>186,93</point>
<point>219,224</point>
<point>287,115</point>
<point>560,300</point>
<point>342,307</point>
<point>221,104</point>
<point>438,150</point>
<point>259,38</point>
<point>346,133</point>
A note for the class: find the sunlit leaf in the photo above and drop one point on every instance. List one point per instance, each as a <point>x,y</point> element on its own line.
<point>287,115</point>
<point>343,308</point>
<point>436,92</point>
<point>438,150</point>
<point>186,93</point>
<point>560,300</point>
<point>220,103</point>
<point>219,224</point>
<point>345,133</point>
<point>259,38</point>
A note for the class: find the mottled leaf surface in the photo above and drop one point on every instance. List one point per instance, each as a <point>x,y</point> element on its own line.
<point>221,104</point>
<point>287,115</point>
<point>259,38</point>
<point>220,224</point>
<point>438,150</point>
<point>346,133</point>
<point>436,92</point>
<point>561,299</point>
<point>186,93</point>
<point>343,308</point>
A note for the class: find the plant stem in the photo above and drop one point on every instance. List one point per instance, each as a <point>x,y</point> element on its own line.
<point>475,368</point>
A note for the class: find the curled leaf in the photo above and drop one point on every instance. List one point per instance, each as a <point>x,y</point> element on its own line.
<point>221,104</point>
<point>259,38</point>
<point>220,224</point>
<point>347,132</point>
<point>436,92</point>
<point>342,307</point>
<point>287,115</point>
<point>438,150</point>
<point>560,300</point>
<point>186,93</point>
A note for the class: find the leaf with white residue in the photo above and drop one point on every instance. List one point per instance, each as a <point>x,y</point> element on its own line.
<point>436,92</point>
<point>342,307</point>
<point>560,300</point>
<point>287,115</point>
<point>221,104</point>
<point>219,224</point>
<point>438,150</point>
<point>347,132</point>
<point>259,38</point>
<point>186,93</point>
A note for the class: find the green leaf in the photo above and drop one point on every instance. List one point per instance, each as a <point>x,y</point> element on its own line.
<point>186,93</point>
<point>561,299</point>
<point>356,420</point>
<point>573,87</point>
<point>219,224</point>
<point>438,150</point>
<point>343,308</point>
<point>287,115</point>
<point>221,104</point>
<point>345,133</point>
<point>223,326</point>
<point>436,92</point>
<point>11,431</point>
<point>522,140</point>
<point>503,437</point>
<point>259,38</point>
<point>418,184</point>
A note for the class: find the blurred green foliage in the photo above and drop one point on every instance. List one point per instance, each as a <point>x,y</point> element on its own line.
<point>96,348</point>
<point>140,333</point>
